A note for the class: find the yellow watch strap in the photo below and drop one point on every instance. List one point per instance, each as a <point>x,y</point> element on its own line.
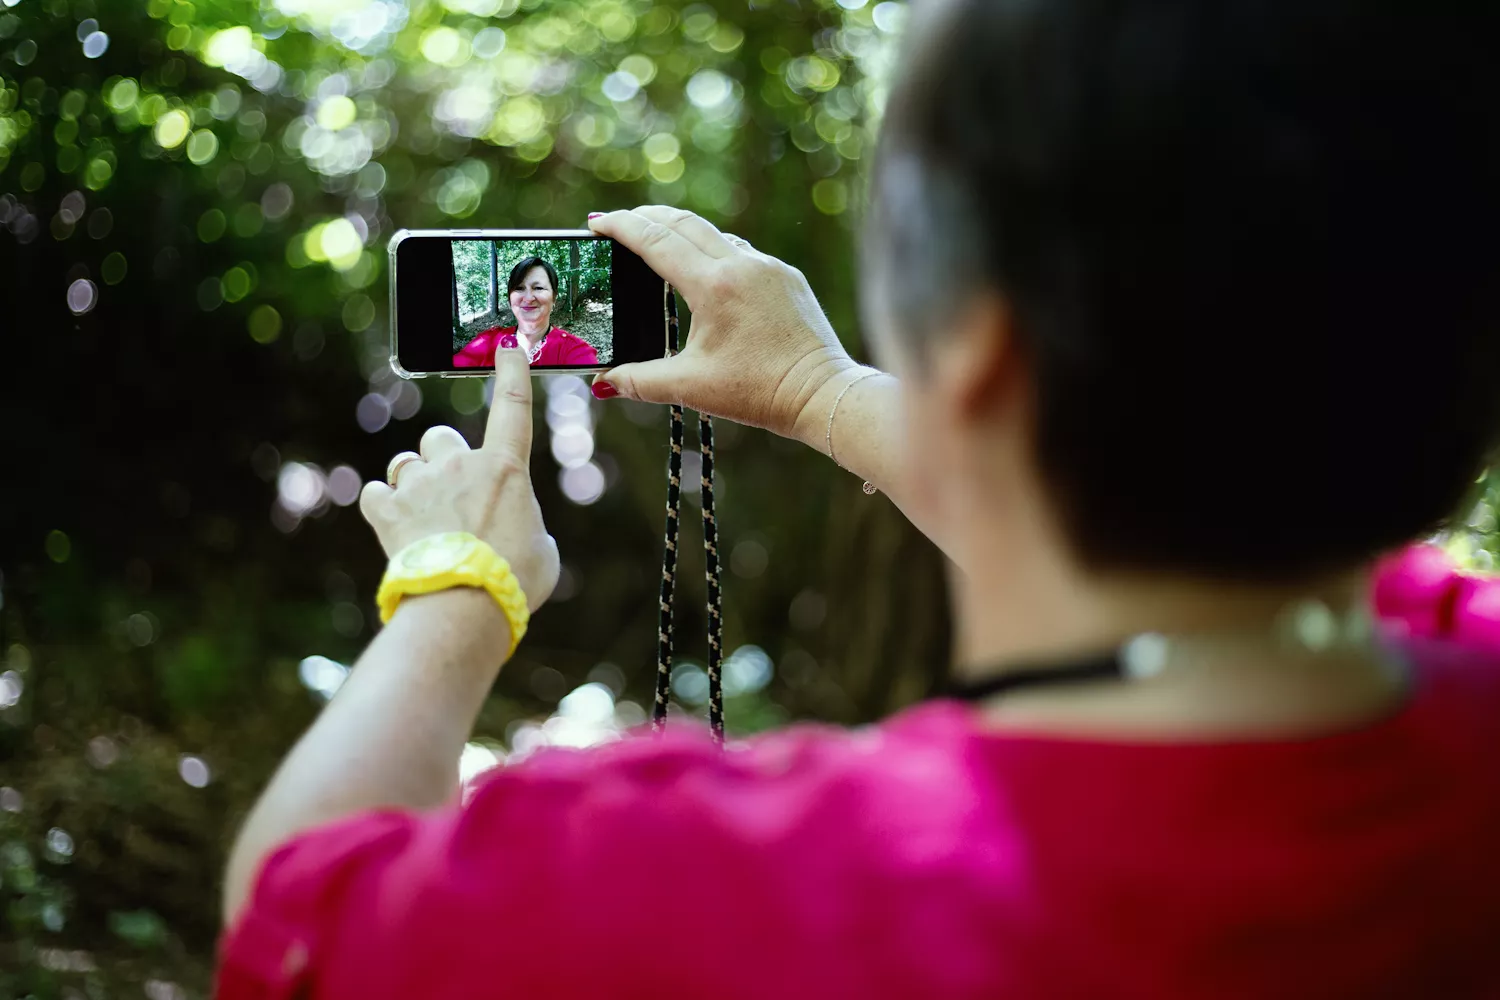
<point>476,565</point>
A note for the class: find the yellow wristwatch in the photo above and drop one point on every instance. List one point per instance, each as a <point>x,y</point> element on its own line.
<point>454,559</point>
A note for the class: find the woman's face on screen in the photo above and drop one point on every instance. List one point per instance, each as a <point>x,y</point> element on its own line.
<point>532,302</point>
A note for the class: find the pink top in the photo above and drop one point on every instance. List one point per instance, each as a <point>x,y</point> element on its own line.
<point>924,857</point>
<point>559,348</point>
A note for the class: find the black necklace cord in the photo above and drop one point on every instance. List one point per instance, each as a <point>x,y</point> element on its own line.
<point>669,559</point>
<point>1101,667</point>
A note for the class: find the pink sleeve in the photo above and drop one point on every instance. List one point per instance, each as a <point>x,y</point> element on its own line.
<point>567,851</point>
<point>580,352</point>
<point>300,896</point>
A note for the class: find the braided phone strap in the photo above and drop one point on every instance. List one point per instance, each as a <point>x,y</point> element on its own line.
<point>669,561</point>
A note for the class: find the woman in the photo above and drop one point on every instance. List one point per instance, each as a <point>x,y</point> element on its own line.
<point>533,292</point>
<point>1188,317</point>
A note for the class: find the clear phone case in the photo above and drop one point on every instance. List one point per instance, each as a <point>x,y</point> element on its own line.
<point>473,234</point>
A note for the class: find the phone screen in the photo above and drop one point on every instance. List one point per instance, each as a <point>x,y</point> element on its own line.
<point>571,300</point>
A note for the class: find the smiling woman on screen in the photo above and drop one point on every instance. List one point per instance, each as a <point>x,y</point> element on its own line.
<point>533,293</point>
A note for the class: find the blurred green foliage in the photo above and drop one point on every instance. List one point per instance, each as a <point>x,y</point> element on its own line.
<point>194,202</point>
<point>195,198</point>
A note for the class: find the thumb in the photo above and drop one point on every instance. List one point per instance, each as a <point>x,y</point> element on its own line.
<point>663,380</point>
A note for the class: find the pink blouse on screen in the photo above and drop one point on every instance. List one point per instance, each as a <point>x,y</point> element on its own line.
<point>559,348</point>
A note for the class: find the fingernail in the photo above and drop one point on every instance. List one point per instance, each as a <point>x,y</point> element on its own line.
<point>603,390</point>
<point>595,215</point>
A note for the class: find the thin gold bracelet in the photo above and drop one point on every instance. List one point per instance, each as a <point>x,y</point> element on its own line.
<point>869,487</point>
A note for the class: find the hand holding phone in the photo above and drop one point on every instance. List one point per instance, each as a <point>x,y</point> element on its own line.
<point>573,301</point>
<point>760,349</point>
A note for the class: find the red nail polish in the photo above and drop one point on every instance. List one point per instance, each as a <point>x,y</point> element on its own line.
<point>603,390</point>
<point>595,215</point>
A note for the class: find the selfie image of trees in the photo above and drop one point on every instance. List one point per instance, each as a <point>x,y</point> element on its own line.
<point>195,203</point>
<point>581,302</point>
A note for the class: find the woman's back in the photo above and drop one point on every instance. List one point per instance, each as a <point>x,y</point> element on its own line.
<point>933,856</point>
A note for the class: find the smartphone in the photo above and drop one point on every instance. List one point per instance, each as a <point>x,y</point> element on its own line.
<point>573,301</point>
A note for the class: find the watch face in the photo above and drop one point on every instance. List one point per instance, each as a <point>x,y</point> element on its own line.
<point>437,553</point>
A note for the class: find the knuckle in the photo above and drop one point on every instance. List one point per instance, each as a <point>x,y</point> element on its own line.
<point>512,394</point>
<point>655,234</point>
<point>726,280</point>
<point>505,464</point>
<point>677,216</point>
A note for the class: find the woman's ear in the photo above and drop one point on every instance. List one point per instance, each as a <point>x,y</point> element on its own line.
<point>976,362</point>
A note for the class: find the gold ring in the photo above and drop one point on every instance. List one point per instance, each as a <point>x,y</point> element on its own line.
<point>397,464</point>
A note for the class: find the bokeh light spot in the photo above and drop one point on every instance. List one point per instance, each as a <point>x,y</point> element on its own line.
<point>889,16</point>
<point>211,225</point>
<point>59,546</point>
<point>236,284</point>
<point>358,313</point>
<point>264,324</point>
<point>620,86</point>
<point>662,147</point>
<point>210,294</point>
<point>202,147</point>
<point>82,296</point>
<point>582,484</point>
<point>467,395</point>
<point>709,88</point>
<point>95,45</point>
<point>113,269</point>
<point>276,202</point>
<point>229,47</point>
<point>489,43</point>
<point>193,770</point>
<point>121,97</point>
<point>372,413</point>
<point>337,113</point>
<point>171,129</point>
<point>344,485</point>
<point>830,196</point>
<point>444,46</point>
<point>322,675</point>
<point>11,689</point>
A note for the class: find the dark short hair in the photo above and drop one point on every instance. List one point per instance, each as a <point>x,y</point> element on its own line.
<point>519,272</point>
<point>1250,248</point>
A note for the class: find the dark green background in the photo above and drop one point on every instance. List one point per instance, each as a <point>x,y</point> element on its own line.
<point>157,602</point>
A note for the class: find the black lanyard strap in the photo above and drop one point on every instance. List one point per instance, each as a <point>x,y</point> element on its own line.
<point>669,560</point>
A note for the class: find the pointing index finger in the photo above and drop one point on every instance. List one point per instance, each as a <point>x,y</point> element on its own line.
<point>508,431</point>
